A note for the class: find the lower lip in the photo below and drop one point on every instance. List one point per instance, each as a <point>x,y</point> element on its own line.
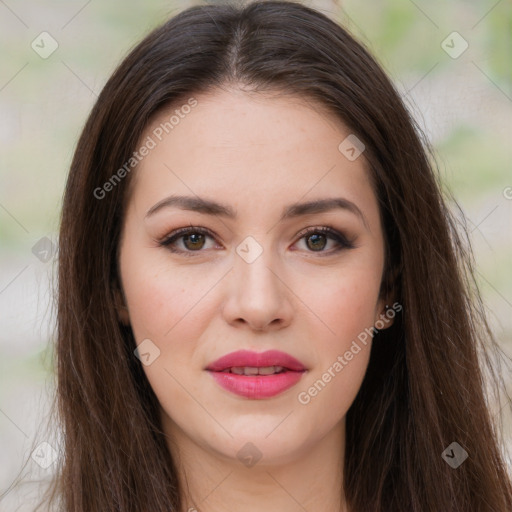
<point>257,386</point>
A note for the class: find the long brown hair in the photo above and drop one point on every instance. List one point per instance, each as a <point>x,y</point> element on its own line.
<point>424,388</point>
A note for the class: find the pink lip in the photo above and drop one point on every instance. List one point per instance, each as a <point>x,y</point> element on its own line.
<point>257,386</point>
<point>256,359</point>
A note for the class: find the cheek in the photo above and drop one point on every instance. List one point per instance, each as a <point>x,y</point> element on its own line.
<point>163,307</point>
<point>158,298</point>
<point>346,305</point>
<point>167,306</point>
<point>344,308</point>
<point>345,301</point>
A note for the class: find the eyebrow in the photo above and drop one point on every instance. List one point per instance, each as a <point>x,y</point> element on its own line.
<point>209,207</point>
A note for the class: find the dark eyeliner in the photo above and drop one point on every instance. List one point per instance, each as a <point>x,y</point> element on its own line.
<point>168,240</point>
<point>339,238</point>
<point>342,240</point>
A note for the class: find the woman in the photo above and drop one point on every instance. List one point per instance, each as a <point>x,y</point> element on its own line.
<point>264,302</point>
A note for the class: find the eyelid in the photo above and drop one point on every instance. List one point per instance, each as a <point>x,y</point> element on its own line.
<point>178,233</point>
<point>339,237</point>
<point>335,234</point>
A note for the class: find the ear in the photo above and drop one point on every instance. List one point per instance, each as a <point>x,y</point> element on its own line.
<point>120,305</point>
<point>385,314</point>
<point>387,306</point>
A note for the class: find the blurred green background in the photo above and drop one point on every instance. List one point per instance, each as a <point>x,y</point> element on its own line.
<point>463,104</point>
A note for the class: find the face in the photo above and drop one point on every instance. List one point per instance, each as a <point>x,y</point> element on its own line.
<point>236,266</point>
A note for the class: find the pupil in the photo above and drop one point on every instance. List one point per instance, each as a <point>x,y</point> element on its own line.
<point>316,237</point>
<point>194,240</point>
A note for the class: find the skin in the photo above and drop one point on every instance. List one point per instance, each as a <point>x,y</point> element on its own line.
<point>257,153</point>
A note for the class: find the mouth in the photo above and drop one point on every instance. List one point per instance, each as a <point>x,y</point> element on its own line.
<point>256,375</point>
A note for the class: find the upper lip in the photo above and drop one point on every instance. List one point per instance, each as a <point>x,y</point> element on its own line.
<point>243,358</point>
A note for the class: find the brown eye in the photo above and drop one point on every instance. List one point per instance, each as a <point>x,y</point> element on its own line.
<point>316,241</point>
<point>194,241</point>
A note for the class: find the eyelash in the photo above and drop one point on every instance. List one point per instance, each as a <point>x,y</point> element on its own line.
<point>333,234</point>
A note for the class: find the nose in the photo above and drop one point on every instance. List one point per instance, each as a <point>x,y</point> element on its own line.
<point>258,296</point>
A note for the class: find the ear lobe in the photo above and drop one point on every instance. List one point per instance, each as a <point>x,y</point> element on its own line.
<point>387,304</point>
<point>121,308</point>
<point>386,316</point>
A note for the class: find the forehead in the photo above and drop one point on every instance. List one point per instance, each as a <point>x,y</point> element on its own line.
<point>248,148</point>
